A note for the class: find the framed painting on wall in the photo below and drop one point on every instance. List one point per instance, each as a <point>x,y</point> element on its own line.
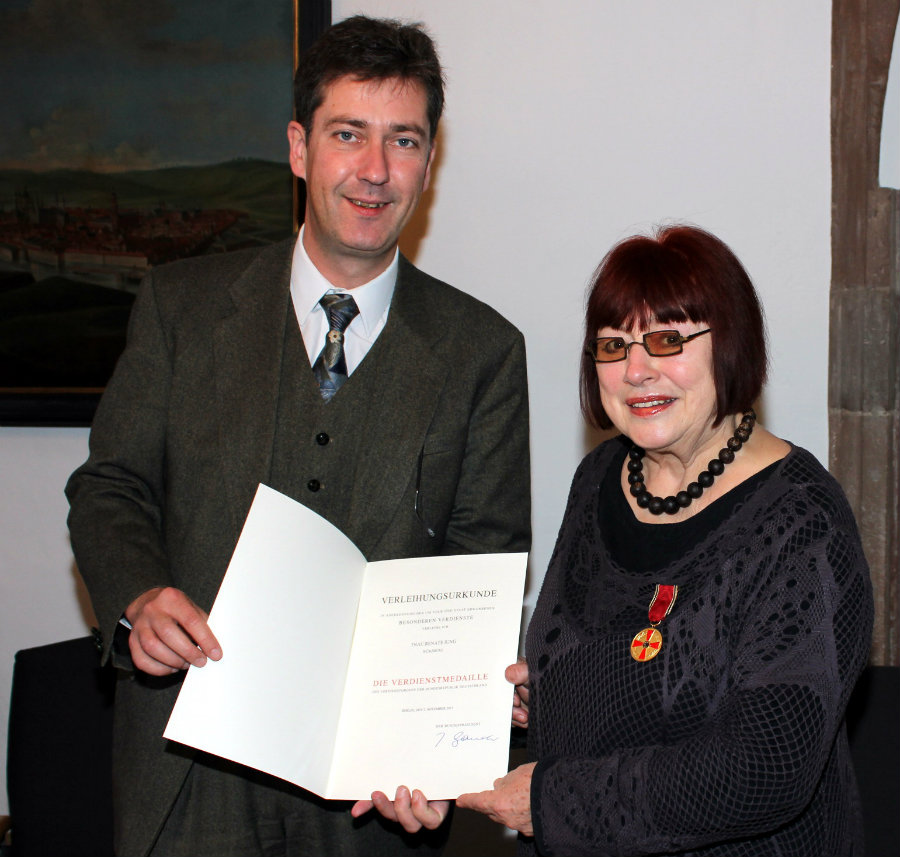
<point>132,138</point>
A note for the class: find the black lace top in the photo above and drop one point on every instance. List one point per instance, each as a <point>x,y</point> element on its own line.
<point>731,741</point>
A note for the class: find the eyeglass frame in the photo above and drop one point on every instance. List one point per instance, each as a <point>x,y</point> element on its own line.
<point>592,353</point>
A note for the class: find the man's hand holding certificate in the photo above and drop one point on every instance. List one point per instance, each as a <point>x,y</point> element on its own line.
<point>347,677</point>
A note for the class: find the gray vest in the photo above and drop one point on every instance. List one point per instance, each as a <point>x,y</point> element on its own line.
<point>317,444</point>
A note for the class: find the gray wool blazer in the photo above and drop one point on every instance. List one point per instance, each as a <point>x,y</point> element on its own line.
<point>184,434</point>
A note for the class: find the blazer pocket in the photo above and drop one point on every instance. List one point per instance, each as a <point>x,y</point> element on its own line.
<point>437,478</point>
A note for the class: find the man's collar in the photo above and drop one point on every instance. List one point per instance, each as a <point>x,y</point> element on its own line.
<point>308,285</point>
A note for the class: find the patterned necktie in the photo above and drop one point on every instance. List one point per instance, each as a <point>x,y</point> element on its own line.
<point>330,367</point>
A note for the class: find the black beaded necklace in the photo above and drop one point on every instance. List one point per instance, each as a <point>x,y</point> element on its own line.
<point>672,504</point>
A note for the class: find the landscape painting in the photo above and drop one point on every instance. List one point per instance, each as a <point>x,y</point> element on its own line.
<point>132,135</point>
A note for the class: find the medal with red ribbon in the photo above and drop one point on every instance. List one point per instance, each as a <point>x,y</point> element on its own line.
<point>646,644</point>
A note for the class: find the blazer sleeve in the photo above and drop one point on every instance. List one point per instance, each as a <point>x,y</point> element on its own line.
<point>116,497</point>
<point>492,508</point>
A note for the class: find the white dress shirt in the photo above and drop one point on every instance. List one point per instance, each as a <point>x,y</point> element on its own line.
<point>373,299</point>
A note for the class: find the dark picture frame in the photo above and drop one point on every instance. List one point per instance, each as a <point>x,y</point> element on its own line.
<point>75,238</point>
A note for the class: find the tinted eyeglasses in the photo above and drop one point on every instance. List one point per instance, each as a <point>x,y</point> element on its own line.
<point>658,343</point>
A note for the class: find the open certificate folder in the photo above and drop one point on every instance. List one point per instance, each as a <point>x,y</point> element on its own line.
<point>346,677</point>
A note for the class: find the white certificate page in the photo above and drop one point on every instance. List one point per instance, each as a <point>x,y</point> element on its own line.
<point>346,677</point>
<point>433,638</point>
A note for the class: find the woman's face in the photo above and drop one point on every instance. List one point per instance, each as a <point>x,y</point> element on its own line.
<point>665,404</point>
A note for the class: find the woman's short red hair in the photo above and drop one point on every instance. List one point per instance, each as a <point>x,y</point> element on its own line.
<point>681,273</point>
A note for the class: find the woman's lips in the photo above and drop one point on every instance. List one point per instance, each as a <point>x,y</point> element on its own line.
<point>648,406</point>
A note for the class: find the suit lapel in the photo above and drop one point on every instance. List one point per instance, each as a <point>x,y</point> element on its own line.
<point>248,344</point>
<point>406,345</point>
<point>248,349</point>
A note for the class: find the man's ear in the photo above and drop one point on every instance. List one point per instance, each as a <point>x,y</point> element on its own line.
<point>297,143</point>
<point>431,152</point>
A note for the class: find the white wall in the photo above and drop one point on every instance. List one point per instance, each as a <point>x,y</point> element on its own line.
<point>42,598</point>
<point>569,125</point>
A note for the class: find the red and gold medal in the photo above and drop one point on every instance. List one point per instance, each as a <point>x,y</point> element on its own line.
<point>646,644</point>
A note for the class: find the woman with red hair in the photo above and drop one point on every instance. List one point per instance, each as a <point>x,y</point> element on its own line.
<point>707,608</point>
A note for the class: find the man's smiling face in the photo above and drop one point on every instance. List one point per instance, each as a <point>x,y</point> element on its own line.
<point>366,161</point>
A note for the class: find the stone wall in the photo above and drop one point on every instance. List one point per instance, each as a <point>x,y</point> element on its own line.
<point>864,378</point>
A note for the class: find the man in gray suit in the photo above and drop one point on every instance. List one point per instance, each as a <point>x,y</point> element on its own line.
<point>329,368</point>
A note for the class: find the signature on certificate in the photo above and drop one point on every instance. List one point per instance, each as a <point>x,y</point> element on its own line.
<point>460,738</point>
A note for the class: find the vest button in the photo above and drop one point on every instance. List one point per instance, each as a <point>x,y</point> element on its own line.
<point>322,438</point>
<point>314,485</point>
